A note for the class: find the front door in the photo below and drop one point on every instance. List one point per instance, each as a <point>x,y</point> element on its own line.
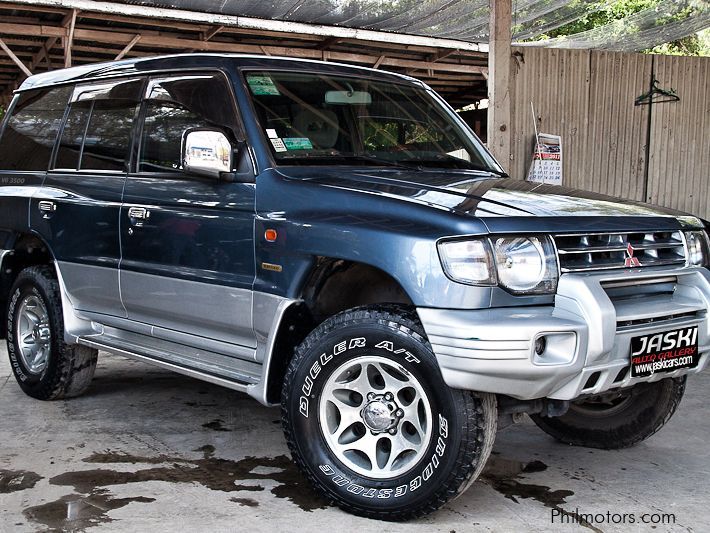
<point>187,241</point>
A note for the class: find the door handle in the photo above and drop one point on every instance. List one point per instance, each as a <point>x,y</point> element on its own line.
<point>138,213</point>
<point>47,208</point>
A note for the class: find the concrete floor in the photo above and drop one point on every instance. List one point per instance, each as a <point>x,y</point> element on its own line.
<point>148,450</point>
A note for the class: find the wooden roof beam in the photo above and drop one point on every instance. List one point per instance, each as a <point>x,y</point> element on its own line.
<point>35,8</point>
<point>128,47</point>
<point>43,52</point>
<point>211,33</point>
<point>160,42</point>
<point>50,43</point>
<point>15,59</point>
<point>443,54</point>
<point>327,43</point>
<point>198,17</point>
<point>84,52</point>
<point>436,83</point>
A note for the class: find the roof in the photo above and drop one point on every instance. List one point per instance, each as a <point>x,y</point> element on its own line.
<point>47,35</point>
<point>196,61</point>
<point>441,42</point>
<point>461,24</point>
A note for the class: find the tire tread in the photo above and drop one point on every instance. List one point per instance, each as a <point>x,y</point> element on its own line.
<point>667,395</point>
<point>476,426</point>
<point>75,364</point>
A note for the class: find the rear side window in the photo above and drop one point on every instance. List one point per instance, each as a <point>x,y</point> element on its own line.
<point>31,130</point>
<point>176,104</point>
<point>97,133</point>
<point>73,137</point>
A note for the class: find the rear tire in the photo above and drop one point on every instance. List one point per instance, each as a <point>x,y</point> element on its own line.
<point>45,367</point>
<point>612,422</point>
<point>365,384</point>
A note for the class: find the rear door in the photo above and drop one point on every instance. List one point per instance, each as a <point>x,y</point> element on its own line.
<point>27,137</point>
<point>187,241</point>
<point>79,209</point>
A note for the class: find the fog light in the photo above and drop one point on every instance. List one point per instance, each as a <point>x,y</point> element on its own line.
<point>540,345</point>
<point>555,348</point>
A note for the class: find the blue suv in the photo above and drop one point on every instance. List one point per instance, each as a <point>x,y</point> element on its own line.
<point>336,240</point>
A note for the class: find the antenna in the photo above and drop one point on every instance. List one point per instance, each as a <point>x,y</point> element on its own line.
<point>537,135</point>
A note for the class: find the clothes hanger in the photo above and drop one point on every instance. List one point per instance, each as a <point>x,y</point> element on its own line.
<point>657,95</point>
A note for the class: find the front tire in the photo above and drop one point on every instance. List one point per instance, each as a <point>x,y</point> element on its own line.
<point>619,419</point>
<point>371,423</point>
<point>45,367</point>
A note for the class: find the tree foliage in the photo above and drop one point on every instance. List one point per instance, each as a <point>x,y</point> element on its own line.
<point>606,12</point>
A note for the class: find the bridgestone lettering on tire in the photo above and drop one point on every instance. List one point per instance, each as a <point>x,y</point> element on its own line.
<point>34,318</point>
<point>617,420</point>
<point>371,423</point>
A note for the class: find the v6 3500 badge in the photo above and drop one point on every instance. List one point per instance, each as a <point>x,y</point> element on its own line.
<point>664,352</point>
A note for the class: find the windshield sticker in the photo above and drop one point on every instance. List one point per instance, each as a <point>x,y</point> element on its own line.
<point>278,145</point>
<point>262,85</point>
<point>271,133</point>
<point>297,143</point>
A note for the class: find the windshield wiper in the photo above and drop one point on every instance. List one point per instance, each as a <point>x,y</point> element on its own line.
<point>455,163</point>
<point>418,164</point>
<point>493,171</point>
<point>385,162</point>
<point>343,158</point>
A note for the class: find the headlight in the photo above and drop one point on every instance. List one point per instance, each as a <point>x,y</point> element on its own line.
<point>525,264</point>
<point>698,248</point>
<point>521,265</point>
<point>469,262</point>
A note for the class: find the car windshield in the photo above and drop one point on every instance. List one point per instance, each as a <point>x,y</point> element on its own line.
<point>312,118</point>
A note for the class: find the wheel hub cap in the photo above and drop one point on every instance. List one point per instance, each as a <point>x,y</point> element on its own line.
<point>380,413</point>
<point>375,417</point>
<point>33,334</point>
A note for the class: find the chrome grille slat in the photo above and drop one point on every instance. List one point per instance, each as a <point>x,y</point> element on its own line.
<point>648,246</point>
<point>587,252</point>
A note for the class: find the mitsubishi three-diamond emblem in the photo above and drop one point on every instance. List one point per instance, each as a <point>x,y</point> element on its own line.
<point>631,261</point>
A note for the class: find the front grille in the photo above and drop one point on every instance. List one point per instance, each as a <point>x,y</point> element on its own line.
<point>606,251</point>
<point>622,324</point>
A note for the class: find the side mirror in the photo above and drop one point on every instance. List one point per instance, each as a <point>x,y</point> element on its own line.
<point>207,152</point>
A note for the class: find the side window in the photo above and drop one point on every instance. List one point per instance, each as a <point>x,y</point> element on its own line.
<point>174,105</point>
<point>97,132</point>
<point>73,136</point>
<point>31,130</point>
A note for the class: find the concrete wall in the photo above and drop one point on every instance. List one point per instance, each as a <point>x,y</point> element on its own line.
<point>588,97</point>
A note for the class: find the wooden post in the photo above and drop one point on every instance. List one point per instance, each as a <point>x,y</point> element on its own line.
<point>499,55</point>
<point>69,40</point>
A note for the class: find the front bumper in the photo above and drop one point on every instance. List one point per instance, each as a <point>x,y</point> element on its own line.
<point>588,332</point>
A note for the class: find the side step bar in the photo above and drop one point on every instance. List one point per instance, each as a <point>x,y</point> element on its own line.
<point>191,372</point>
